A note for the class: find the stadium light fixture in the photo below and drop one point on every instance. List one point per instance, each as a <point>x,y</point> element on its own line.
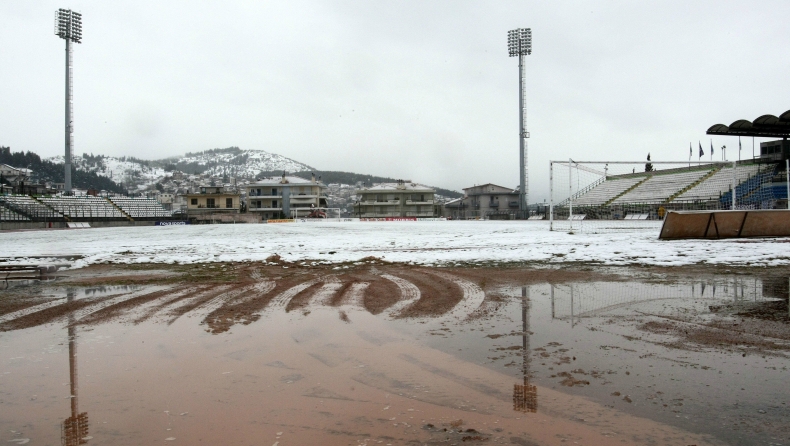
<point>519,43</point>
<point>68,26</point>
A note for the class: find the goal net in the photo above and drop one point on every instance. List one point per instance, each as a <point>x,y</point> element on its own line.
<point>605,196</point>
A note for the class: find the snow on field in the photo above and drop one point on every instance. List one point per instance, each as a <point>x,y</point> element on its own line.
<point>436,243</point>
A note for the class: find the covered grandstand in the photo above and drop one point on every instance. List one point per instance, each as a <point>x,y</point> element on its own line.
<point>617,189</point>
<point>758,185</point>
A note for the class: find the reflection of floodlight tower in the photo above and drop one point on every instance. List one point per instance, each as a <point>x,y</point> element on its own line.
<point>519,43</point>
<point>75,427</point>
<point>68,26</point>
<point>525,397</point>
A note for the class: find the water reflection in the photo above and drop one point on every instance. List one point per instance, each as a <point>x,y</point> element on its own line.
<point>525,396</point>
<point>575,301</point>
<point>75,428</point>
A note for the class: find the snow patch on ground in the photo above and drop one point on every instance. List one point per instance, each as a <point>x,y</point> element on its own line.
<point>427,243</point>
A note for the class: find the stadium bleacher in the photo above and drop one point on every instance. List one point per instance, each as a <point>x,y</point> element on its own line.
<point>29,207</point>
<point>658,188</point>
<point>9,215</point>
<point>83,207</point>
<point>607,190</point>
<point>140,207</point>
<point>719,183</point>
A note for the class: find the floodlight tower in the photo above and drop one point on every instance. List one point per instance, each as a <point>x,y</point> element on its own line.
<point>519,43</point>
<point>68,26</point>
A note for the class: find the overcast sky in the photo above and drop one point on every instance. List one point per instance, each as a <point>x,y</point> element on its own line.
<point>422,90</point>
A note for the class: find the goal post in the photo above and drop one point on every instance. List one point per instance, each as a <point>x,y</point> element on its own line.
<point>595,196</point>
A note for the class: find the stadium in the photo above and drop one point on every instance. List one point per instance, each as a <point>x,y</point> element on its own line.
<point>587,191</point>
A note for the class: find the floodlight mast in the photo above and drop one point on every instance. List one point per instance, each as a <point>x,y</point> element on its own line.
<point>519,43</point>
<point>68,26</point>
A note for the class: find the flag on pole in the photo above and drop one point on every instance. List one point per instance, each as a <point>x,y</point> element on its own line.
<point>711,148</point>
<point>701,153</point>
<point>690,151</point>
<point>739,144</point>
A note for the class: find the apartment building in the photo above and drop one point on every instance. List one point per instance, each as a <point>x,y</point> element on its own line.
<point>401,199</point>
<point>213,199</point>
<point>286,196</point>
<point>483,200</point>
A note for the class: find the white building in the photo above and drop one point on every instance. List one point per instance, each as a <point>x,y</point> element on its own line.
<point>286,196</point>
<point>401,199</point>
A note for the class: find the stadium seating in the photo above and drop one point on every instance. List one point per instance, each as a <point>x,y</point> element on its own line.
<point>83,207</point>
<point>660,187</point>
<point>9,215</point>
<point>605,191</point>
<point>718,184</point>
<point>141,207</point>
<point>29,207</point>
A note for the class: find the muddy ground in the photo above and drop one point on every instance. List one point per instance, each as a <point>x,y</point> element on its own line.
<point>473,316</point>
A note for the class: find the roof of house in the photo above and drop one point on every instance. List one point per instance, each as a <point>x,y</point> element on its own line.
<point>289,179</point>
<point>394,187</point>
<point>491,187</point>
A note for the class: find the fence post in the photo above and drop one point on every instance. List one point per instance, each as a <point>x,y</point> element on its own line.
<point>551,195</point>
<point>734,185</point>
<point>787,174</point>
<point>570,194</point>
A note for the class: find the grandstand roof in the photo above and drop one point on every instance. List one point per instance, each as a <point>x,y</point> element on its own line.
<point>764,126</point>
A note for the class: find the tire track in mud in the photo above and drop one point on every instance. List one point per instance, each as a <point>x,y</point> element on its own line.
<point>119,310</point>
<point>409,294</point>
<point>32,309</point>
<point>380,295</point>
<point>437,294</point>
<point>13,302</point>
<point>473,296</point>
<point>51,313</point>
<point>328,291</point>
<point>83,312</point>
<point>159,306</point>
<point>248,308</point>
<point>234,296</point>
<point>353,294</point>
<point>178,309</point>
<point>282,300</point>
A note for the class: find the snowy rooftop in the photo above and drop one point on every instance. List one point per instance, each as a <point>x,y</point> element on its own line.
<point>389,187</point>
<point>289,179</point>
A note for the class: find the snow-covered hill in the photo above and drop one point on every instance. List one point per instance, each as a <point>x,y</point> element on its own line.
<point>117,169</point>
<point>238,163</point>
<point>231,162</point>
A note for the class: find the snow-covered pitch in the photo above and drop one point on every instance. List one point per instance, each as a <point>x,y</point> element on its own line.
<point>428,243</point>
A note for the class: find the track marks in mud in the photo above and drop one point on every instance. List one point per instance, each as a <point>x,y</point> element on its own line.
<point>247,308</point>
<point>281,301</point>
<point>395,291</point>
<point>437,295</point>
<point>409,294</point>
<point>473,296</point>
<point>169,302</point>
<point>29,310</point>
<point>316,293</point>
<point>51,313</point>
<point>353,294</point>
<point>120,310</point>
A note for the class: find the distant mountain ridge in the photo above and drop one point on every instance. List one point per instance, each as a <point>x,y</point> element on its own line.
<point>235,162</point>
<point>223,163</point>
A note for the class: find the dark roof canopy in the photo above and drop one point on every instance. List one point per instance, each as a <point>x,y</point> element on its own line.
<point>765,126</point>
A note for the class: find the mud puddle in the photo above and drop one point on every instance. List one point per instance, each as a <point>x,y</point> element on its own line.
<point>388,354</point>
<point>707,356</point>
